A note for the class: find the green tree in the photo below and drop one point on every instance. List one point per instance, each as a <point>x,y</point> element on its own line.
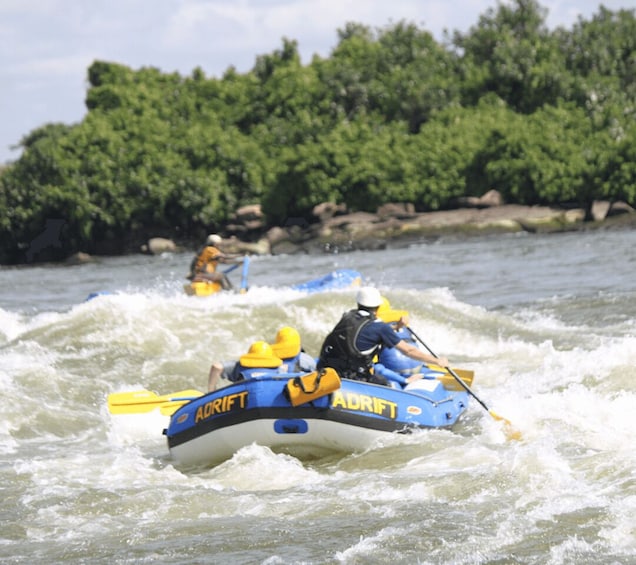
<point>390,116</point>
<point>511,52</point>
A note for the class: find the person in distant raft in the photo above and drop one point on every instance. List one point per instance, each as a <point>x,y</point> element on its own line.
<point>204,265</point>
<point>359,336</point>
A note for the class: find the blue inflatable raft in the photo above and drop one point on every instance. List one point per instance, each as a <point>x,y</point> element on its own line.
<point>340,278</point>
<point>347,417</point>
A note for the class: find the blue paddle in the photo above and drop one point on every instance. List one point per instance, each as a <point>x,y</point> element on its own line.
<point>246,265</point>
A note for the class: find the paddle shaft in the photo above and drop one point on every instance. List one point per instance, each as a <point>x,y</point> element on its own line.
<point>246,264</point>
<point>464,385</point>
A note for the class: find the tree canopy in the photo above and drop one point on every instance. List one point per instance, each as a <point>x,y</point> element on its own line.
<point>392,115</point>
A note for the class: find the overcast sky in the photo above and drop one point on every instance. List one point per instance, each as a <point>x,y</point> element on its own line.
<point>46,46</point>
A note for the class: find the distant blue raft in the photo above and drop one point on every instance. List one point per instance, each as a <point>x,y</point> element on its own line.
<point>340,278</point>
<point>96,294</point>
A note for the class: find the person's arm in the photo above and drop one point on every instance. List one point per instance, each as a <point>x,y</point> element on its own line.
<point>230,258</point>
<point>416,353</point>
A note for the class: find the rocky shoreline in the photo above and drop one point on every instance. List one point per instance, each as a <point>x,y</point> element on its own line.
<point>396,225</point>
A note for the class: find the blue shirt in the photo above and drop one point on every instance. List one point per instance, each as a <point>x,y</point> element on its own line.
<point>302,363</point>
<point>377,333</point>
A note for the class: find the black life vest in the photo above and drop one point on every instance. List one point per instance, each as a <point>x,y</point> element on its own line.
<point>339,348</point>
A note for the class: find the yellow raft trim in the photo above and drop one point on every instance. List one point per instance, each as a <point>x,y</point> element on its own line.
<point>202,288</point>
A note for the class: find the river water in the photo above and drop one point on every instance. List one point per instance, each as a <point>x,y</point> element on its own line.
<point>547,322</point>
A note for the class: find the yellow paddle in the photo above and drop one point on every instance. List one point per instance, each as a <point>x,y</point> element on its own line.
<point>510,431</point>
<point>448,381</point>
<point>140,401</point>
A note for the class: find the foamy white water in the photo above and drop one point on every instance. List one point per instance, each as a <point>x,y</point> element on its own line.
<point>546,322</point>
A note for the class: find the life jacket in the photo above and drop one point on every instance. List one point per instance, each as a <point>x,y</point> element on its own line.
<point>255,372</point>
<point>205,261</point>
<point>339,348</point>
<point>237,372</point>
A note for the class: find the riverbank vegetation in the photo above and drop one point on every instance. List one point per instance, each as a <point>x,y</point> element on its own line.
<point>392,115</point>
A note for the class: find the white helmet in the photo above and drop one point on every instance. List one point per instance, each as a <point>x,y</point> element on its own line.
<point>213,239</point>
<point>369,297</point>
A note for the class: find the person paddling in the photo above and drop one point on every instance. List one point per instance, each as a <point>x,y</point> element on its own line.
<point>205,263</point>
<point>392,364</point>
<point>359,336</point>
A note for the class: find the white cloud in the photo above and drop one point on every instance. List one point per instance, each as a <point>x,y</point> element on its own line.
<point>49,67</point>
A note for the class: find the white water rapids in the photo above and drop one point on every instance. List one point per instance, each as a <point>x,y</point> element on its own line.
<point>546,322</point>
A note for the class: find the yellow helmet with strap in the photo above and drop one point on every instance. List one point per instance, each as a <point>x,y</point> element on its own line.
<point>260,354</point>
<point>287,343</point>
<point>387,314</point>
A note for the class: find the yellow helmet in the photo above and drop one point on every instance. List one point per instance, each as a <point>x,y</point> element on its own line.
<point>287,343</point>
<point>259,355</point>
<point>386,314</point>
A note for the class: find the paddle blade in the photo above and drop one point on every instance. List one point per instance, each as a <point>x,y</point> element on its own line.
<point>449,382</point>
<point>132,402</point>
<point>140,401</point>
<point>511,432</point>
<point>169,408</point>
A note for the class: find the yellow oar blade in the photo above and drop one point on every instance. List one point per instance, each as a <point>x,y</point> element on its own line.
<point>450,382</point>
<point>140,401</point>
<point>169,408</point>
<point>463,383</point>
<point>510,431</point>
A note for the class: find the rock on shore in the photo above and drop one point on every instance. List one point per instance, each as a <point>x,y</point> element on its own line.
<point>398,224</point>
<point>334,229</point>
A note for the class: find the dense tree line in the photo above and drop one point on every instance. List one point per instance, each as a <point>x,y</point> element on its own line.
<point>392,115</point>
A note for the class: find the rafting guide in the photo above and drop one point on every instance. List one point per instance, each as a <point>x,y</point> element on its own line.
<point>360,336</point>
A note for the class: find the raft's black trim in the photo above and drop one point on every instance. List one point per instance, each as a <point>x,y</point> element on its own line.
<point>304,413</point>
